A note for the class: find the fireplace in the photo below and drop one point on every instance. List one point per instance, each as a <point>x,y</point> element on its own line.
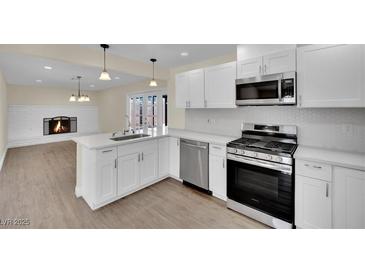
<point>59,125</point>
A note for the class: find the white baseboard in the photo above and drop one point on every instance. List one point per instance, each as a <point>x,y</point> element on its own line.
<point>46,139</point>
<point>2,157</point>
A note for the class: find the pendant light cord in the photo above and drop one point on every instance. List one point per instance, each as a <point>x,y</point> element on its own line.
<point>79,87</point>
<point>153,70</point>
<point>104,60</point>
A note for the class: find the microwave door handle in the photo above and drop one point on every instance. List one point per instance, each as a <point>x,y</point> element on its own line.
<point>279,90</point>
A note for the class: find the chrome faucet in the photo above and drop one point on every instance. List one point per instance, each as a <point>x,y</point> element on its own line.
<point>130,129</point>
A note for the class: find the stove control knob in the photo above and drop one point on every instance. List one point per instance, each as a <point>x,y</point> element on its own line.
<point>255,155</point>
<point>243,152</point>
<point>279,159</point>
<point>269,157</point>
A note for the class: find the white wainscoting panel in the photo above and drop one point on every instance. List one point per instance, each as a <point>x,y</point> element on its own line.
<point>25,123</point>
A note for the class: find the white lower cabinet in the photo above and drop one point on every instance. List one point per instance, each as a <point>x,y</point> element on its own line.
<point>312,203</point>
<point>329,196</point>
<point>163,157</point>
<point>128,172</point>
<point>218,176</point>
<point>149,162</point>
<point>174,157</point>
<point>348,198</point>
<point>106,174</point>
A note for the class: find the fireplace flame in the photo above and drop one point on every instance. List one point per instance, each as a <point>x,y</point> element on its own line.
<point>58,127</point>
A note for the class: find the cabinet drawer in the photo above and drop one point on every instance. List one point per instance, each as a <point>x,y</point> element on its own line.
<point>314,170</point>
<point>109,153</point>
<point>217,150</point>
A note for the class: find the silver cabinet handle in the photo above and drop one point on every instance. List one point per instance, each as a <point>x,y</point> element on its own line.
<point>327,186</point>
<point>260,69</point>
<point>177,142</point>
<point>265,68</point>
<point>223,163</point>
<point>106,151</point>
<point>115,163</point>
<point>142,156</point>
<point>205,103</point>
<point>139,157</point>
<point>300,100</point>
<point>314,166</point>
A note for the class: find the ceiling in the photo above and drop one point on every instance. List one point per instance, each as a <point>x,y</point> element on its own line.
<point>169,55</point>
<point>20,69</point>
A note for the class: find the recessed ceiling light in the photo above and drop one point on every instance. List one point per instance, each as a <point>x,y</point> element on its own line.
<point>92,86</point>
<point>47,67</point>
<point>117,77</point>
<point>184,54</point>
<point>38,81</point>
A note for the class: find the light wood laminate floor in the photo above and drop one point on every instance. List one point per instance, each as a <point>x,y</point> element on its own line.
<point>38,182</point>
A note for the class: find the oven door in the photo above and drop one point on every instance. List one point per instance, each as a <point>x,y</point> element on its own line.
<point>261,187</point>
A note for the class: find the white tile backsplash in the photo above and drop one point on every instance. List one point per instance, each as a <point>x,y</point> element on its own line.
<point>341,129</point>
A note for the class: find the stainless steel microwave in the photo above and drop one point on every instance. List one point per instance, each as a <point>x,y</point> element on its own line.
<point>276,89</point>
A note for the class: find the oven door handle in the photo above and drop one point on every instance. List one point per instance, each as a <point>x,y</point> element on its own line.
<point>255,162</point>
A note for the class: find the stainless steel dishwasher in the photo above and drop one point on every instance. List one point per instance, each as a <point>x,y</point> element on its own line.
<point>194,163</point>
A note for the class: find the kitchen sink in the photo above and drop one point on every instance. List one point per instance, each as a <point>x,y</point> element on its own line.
<point>129,137</point>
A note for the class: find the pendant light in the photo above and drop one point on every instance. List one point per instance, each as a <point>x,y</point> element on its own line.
<point>104,74</point>
<point>153,82</point>
<point>79,98</point>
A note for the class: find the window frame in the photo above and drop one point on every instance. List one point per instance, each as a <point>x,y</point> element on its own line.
<point>145,94</point>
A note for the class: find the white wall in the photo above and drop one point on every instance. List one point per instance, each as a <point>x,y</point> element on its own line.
<point>341,129</point>
<point>3,119</point>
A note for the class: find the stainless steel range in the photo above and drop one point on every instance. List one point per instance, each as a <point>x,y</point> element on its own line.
<point>260,174</point>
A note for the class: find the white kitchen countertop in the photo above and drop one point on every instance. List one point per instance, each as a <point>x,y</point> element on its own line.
<point>98,141</point>
<point>337,158</point>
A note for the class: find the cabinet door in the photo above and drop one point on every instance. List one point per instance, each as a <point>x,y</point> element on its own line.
<point>312,203</point>
<point>149,162</point>
<point>218,176</point>
<point>249,67</point>
<point>106,187</point>
<point>163,157</point>
<point>220,87</point>
<point>182,89</point>
<point>280,62</point>
<point>128,173</point>
<point>174,157</point>
<point>331,76</point>
<point>348,198</point>
<point>196,89</point>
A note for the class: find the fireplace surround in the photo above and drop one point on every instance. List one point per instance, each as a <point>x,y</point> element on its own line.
<point>59,125</point>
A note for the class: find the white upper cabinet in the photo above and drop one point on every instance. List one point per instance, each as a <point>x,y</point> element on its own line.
<point>331,76</point>
<point>182,89</point>
<point>196,88</point>
<point>220,87</point>
<point>279,62</point>
<point>249,68</point>
<point>190,89</point>
<point>348,198</point>
<point>211,87</point>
